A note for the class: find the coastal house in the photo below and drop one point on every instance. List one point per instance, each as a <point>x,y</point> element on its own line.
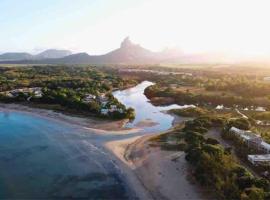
<point>120,110</point>
<point>9,94</point>
<point>36,91</point>
<point>89,98</point>
<point>259,159</point>
<point>260,109</point>
<point>251,139</point>
<point>15,92</point>
<point>113,108</point>
<point>103,99</point>
<point>254,141</point>
<point>104,111</point>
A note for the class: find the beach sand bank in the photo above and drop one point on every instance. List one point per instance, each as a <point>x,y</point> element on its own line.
<point>162,174</point>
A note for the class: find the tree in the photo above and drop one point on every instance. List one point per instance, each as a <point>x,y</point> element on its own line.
<point>253,193</point>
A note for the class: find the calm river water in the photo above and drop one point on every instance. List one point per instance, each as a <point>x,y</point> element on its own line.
<point>146,113</point>
<point>41,158</point>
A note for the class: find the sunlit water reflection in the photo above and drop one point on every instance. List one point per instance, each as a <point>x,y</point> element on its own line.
<point>145,111</point>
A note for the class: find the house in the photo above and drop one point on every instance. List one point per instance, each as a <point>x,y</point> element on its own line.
<point>89,98</point>
<point>259,159</point>
<point>103,99</point>
<point>113,108</point>
<point>260,109</point>
<point>8,94</point>
<point>267,78</point>
<point>120,110</point>
<point>37,92</point>
<point>104,111</point>
<point>251,139</point>
<point>219,107</point>
<point>16,92</point>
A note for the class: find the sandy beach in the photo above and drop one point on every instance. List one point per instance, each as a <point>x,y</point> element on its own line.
<point>163,174</point>
<point>102,125</point>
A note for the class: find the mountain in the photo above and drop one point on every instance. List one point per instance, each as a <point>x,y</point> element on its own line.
<point>127,53</point>
<point>15,56</point>
<point>53,53</point>
<point>50,53</point>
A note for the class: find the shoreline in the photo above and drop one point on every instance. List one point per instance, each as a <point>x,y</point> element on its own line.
<point>89,123</point>
<point>123,145</point>
<point>137,191</point>
<point>164,174</point>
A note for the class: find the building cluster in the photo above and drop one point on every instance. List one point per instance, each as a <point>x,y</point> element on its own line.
<point>103,100</point>
<point>34,91</point>
<point>255,142</point>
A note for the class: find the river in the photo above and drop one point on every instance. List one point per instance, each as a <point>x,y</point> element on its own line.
<point>43,158</point>
<point>148,117</point>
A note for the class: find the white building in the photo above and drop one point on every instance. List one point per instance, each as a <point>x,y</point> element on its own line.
<point>37,92</point>
<point>260,109</point>
<point>89,98</point>
<point>104,111</point>
<point>113,108</point>
<point>103,99</point>
<point>253,140</point>
<point>120,110</point>
<point>259,159</point>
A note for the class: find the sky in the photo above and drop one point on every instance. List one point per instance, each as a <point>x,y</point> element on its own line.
<point>239,27</point>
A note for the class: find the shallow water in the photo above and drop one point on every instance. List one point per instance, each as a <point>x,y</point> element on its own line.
<point>145,111</point>
<point>43,159</point>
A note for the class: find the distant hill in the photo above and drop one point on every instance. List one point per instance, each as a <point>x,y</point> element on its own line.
<point>127,53</point>
<point>15,56</point>
<point>50,53</point>
<point>53,53</point>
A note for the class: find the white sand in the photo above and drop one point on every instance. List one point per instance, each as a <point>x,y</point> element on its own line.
<point>159,175</point>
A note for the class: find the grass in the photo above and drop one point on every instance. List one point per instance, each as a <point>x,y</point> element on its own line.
<point>190,112</point>
<point>170,141</point>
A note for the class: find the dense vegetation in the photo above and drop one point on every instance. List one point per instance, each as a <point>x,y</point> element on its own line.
<point>206,87</point>
<point>215,167</point>
<point>65,86</point>
<point>190,112</point>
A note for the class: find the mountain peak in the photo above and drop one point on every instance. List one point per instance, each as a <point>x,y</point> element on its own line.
<point>126,43</point>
